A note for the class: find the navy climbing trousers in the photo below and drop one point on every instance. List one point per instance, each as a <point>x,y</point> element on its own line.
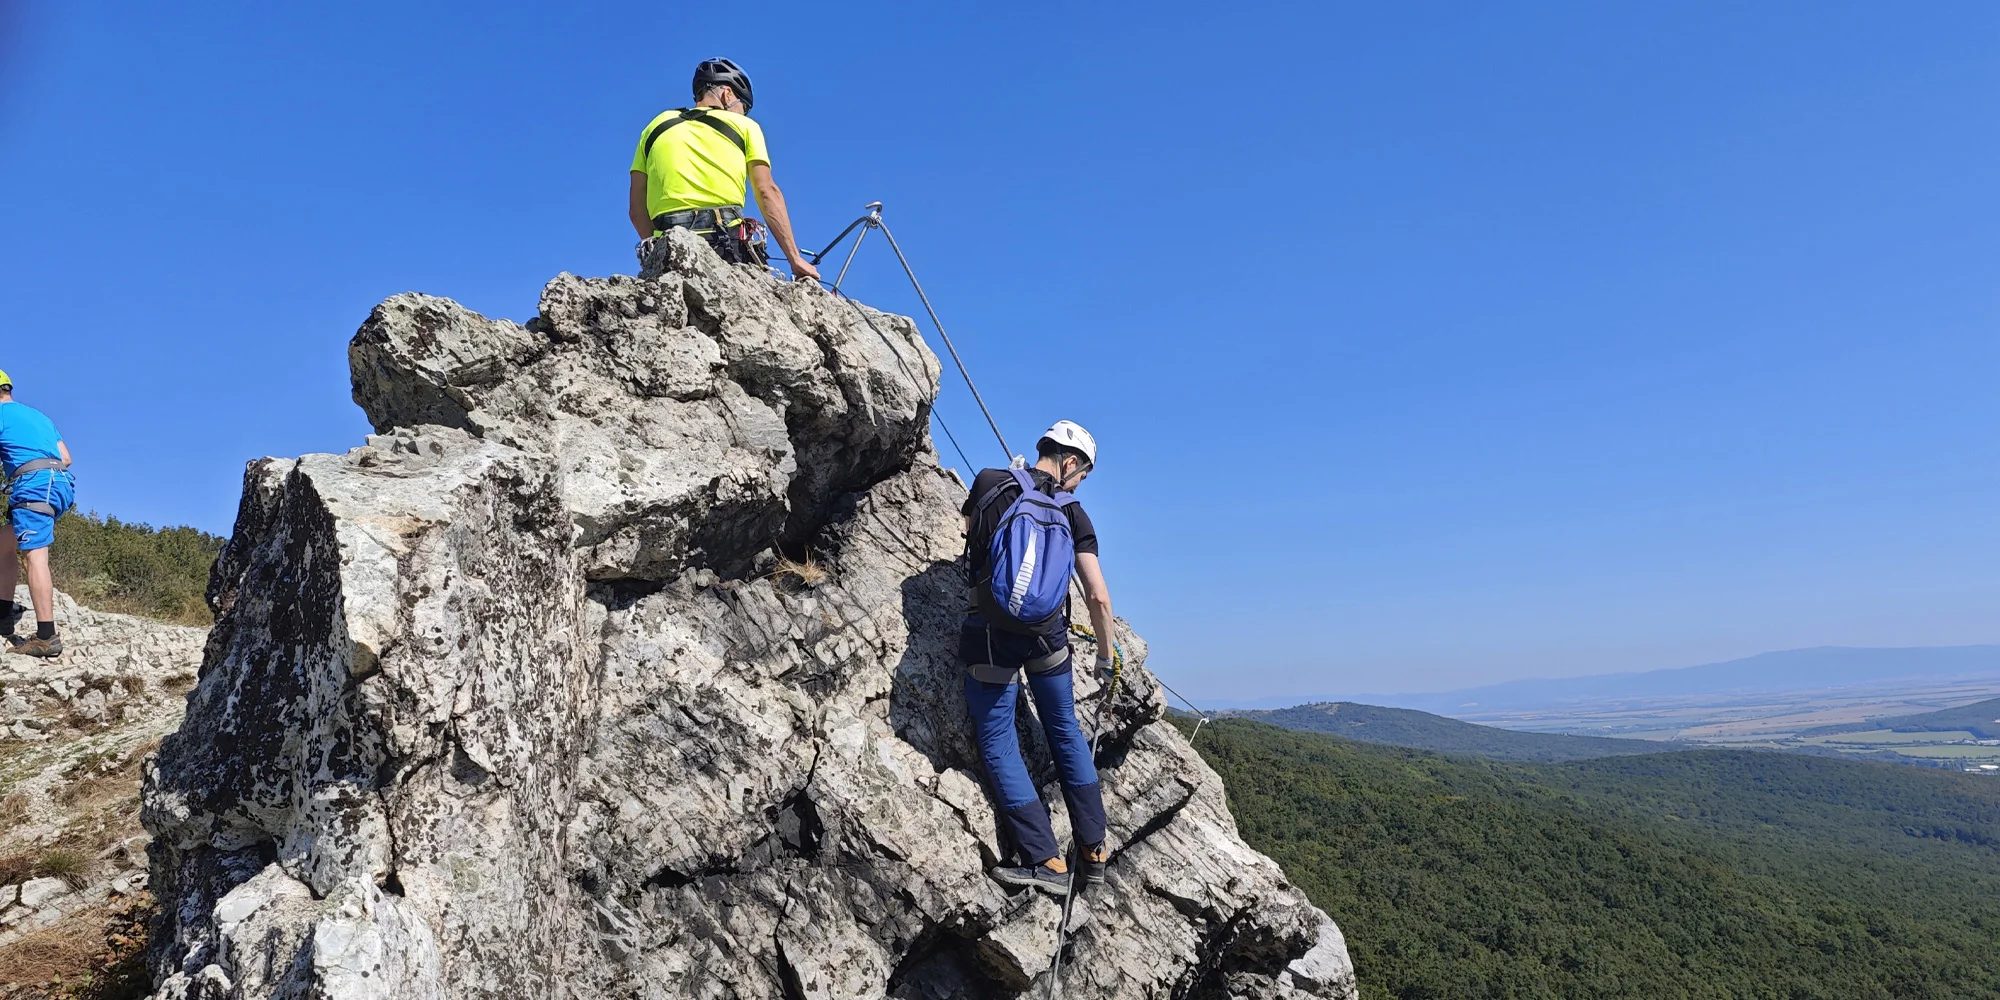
<point>993,653</point>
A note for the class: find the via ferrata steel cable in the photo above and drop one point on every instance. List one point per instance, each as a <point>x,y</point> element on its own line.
<point>873,220</point>
<point>891,237</point>
<point>834,287</point>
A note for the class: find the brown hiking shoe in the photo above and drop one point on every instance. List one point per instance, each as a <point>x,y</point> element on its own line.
<point>1094,861</point>
<point>43,648</point>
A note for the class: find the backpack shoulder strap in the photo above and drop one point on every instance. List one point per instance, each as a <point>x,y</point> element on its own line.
<point>992,495</point>
<point>698,115</point>
<point>1023,480</point>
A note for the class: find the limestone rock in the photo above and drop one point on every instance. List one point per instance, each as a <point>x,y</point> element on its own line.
<point>534,696</point>
<point>37,893</point>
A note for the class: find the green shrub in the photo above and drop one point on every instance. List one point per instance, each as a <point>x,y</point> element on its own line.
<point>134,569</point>
<point>64,864</point>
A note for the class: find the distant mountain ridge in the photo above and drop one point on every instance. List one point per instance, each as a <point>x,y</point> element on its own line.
<point>1406,727</point>
<point>1816,668</point>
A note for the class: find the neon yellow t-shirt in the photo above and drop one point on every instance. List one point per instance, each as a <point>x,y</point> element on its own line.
<point>692,165</point>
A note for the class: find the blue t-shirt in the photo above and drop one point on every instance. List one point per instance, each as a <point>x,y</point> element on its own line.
<point>25,435</point>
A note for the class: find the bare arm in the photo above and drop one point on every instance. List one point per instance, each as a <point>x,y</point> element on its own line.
<point>772,202</point>
<point>636,206</point>
<point>1097,597</point>
<point>63,447</point>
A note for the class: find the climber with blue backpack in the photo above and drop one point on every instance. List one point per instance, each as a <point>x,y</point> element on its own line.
<point>1025,533</point>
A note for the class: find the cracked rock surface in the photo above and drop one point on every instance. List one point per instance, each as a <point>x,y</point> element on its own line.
<point>619,663</point>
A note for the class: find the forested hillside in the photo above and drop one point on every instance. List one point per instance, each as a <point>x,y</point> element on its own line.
<point>1407,727</point>
<point>1702,874</point>
<point>134,569</point>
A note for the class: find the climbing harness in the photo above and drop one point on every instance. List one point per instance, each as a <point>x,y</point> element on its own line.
<point>698,115</point>
<point>699,220</point>
<point>52,466</point>
<point>38,465</point>
<point>735,236</point>
<point>746,237</point>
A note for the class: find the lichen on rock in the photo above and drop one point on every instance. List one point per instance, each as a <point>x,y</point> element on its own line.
<point>509,702</point>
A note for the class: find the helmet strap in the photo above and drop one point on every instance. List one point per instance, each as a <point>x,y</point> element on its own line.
<point>1082,468</point>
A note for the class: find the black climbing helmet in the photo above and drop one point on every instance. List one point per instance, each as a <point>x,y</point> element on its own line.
<point>720,72</point>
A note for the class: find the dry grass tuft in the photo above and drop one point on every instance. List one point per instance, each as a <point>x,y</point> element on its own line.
<point>78,722</point>
<point>94,762</point>
<point>93,789</point>
<point>14,809</point>
<point>808,573</point>
<point>50,957</point>
<point>97,954</point>
<point>63,863</point>
<point>16,868</point>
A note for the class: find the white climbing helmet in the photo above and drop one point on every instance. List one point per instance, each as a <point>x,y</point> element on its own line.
<point>1069,434</point>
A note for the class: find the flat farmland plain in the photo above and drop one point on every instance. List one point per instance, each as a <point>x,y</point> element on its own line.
<point>1780,721</point>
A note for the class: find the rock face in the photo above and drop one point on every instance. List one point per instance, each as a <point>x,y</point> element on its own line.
<point>619,663</point>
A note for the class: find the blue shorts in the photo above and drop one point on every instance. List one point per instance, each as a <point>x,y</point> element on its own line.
<point>34,529</point>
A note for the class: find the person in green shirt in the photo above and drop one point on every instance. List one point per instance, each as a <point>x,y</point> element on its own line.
<point>692,165</point>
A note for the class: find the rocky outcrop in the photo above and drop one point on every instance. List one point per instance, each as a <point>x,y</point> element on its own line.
<point>73,731</point>
<point>619,662</point>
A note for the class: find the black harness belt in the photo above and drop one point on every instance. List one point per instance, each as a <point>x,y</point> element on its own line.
<point>700,220</point>
<point>1045,663</point>
<point>37,465</point>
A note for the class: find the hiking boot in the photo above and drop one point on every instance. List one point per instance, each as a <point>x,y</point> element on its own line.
<point>10,618</point>
<point>1095,860</point>
<point>44,648</point>
<point>1039,876</point>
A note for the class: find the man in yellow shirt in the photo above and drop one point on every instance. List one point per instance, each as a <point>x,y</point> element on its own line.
<point>691,167</point>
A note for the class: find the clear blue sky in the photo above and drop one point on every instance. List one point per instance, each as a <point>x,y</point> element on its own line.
<point>1428,344</point>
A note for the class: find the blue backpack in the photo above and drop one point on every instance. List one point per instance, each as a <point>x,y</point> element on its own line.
<point>1032,556</point>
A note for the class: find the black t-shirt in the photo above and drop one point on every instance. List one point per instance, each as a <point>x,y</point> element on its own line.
<point>980,538</point>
